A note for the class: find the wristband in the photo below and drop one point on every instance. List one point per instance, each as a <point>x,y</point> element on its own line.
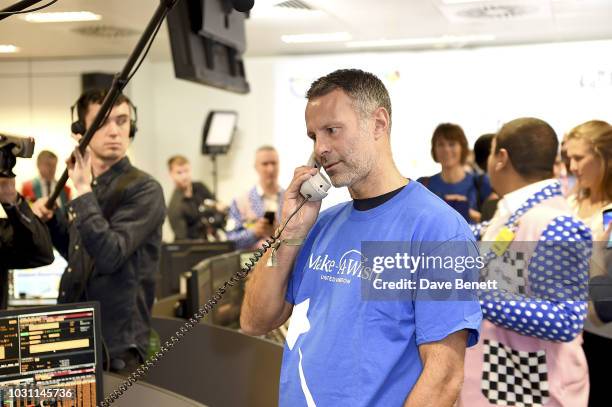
<point>293,242</point>
<point>288,242</point>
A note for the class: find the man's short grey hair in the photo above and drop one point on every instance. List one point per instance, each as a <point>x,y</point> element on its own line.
<point>265,148</point>
<point>365,89</point>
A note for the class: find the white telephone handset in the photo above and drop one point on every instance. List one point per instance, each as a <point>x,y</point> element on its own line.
<point>315,188</point>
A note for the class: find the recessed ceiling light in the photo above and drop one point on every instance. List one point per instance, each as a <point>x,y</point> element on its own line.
<point>61,17</point>
<point>316,37</point>
<point>449,2</point>
<point>443,40</point>
<point>8,49</point>
<point>284,10</point>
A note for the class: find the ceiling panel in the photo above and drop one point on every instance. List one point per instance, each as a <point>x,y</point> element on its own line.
<point>365,20</point>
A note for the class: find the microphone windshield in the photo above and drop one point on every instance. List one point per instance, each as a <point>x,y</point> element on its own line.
<point>243,5</point>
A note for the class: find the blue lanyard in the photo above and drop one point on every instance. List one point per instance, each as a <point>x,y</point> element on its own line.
<point>550,191</point>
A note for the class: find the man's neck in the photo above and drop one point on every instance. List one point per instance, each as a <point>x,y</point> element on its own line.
<point>452,175</point>
<point>269,189</point>
<point>513,184</point>
<point>100,166</point>
<point>187,190</point>
<point>379,181</point>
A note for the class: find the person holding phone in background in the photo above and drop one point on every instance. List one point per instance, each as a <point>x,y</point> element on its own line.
<point>342,349</point>
<point>589,151</point>
<point>252,216</point>
<point>464,191</point>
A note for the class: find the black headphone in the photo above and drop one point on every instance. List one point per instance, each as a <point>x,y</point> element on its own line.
<point>78,125</point>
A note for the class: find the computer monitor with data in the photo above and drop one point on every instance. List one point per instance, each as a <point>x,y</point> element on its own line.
<point>179,257</point>
<point>203,281</point>
<point>51,356</point>
<point>37,286</point>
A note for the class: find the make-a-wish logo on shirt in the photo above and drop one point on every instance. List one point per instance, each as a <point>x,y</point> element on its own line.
<point>340,270</point>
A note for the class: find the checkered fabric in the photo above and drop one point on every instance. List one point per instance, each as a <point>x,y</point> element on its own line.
<point>514,378</point>
<point>510,272</point>
<point>515,274</point>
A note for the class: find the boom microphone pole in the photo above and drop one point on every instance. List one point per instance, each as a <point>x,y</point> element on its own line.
<point>19,6</point>
<point>119,82</point>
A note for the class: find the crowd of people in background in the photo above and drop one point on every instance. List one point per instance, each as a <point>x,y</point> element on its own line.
<point>578,174</point>
<point>519,181</point>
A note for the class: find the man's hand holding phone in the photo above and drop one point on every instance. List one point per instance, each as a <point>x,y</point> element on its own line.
<point>264,307</point>
<point>302,222</point>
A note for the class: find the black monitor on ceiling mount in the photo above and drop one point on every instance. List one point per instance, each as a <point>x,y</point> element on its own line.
<point>207,38</point>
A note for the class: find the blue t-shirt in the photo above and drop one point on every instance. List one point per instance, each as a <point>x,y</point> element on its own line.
<point>342,350</point>
<point>467,187</point>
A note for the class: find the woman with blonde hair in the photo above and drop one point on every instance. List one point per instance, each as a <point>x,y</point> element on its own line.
<point>589,151</point>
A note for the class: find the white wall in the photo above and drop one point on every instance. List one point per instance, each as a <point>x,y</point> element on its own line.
<point>179,114</point>
<point>35,101</point>
<point>36,96</point>
<point>479,89</point>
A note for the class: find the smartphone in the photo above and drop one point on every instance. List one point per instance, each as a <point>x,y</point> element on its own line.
<point>269,215</point>
<point>607,219</point>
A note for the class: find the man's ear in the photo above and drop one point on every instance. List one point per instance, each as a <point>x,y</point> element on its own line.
<point>502,159</point>
<point>381,122</point>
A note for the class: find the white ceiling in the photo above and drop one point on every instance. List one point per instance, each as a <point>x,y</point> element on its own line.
<point>364,20</point>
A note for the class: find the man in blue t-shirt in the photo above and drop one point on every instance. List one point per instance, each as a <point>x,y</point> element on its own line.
<point>344,347</point>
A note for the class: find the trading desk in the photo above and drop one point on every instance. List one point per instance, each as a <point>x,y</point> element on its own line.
<point>145,395</point>
<point>218,367</point>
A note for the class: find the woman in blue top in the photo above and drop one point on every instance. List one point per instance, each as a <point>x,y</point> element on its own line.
<point>462,190</point>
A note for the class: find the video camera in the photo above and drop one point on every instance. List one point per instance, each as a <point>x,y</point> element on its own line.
<point>211,216</point>
<point>12,147</point>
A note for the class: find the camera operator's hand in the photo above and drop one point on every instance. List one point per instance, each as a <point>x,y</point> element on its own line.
<point>39,208</point>
<point>221,207</point>
<point>79,170</point>
<point>262,228</point>
<point>8,193</point>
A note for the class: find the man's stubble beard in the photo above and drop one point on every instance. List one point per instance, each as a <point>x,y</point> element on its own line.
<point>356,169</point>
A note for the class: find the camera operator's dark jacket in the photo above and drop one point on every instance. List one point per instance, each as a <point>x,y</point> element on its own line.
<point>111,238</point>
<point>24,243</point>
<point>185,215</point>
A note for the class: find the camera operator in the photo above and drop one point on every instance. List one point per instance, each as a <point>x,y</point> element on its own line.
<point>24,239</point>
<point>193,212</point>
